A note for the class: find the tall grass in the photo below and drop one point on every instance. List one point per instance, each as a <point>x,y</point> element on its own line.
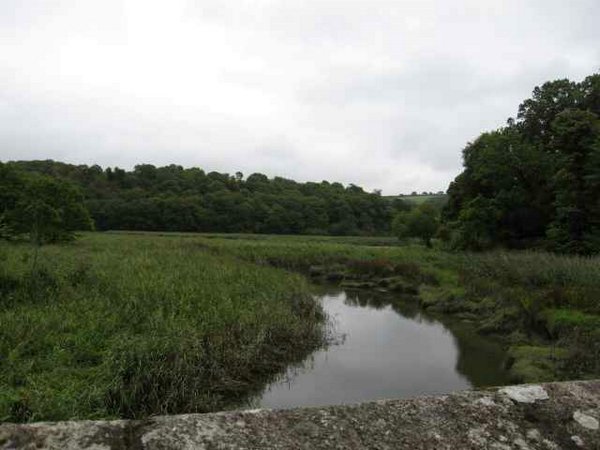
<point>125,326</point>
<point>532,298</point>
<point>300,253</point>
<point>569,281</point>
<point>541,280</point>
<point>536,269</point>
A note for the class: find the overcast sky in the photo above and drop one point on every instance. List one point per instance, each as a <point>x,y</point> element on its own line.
<point>383,94</point>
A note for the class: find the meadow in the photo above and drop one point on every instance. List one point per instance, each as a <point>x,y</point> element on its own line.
<point>134,324</point>
<point>127,326</point>
<point>420,198</point>
<point>545,308</point>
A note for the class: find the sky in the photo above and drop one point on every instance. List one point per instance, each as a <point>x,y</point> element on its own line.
<point>383,94</point>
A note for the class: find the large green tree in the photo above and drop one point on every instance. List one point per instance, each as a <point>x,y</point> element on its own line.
<point>41,207</point>
<point>420,222</point>
<point>534,182</point>
<point>576,139</point>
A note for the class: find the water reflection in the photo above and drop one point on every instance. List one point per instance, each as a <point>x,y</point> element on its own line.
<point>386,348</point>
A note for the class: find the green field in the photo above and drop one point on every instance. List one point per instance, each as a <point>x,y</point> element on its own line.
<point>420,199</point>
<point>543,307</point>
<point>133,324</point>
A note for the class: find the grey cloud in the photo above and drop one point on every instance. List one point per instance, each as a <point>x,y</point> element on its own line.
<point>379,93</point>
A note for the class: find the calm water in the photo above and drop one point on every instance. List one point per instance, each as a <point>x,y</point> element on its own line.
<point>386,352</point>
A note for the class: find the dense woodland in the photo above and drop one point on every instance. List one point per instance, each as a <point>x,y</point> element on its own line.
<point>176,199</point>
<point>536,181</point>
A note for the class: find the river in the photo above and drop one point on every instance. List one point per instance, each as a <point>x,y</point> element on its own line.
<point>385,348</point>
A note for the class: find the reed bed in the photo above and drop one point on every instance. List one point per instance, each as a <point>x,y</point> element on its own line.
<point>134,324</point>
<point>538,303</point>
<point>127,326</point>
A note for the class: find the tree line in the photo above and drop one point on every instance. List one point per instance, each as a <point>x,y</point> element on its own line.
<point>534,183</point>
<point>173,198</point>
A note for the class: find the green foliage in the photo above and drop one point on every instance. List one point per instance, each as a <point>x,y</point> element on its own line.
<point>556,305</point>
<point>421,222</point>
<point>172,198</point>
<point>43,208</point>
<point>534,364</point>
<point>476,224</point>
<point>561,321</point>
<point>535,182</point>
<point>575,226</point>
<point>126,326</point>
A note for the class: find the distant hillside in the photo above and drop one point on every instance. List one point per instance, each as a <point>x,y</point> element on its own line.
<point>420,198</point>
<point>173,198</point>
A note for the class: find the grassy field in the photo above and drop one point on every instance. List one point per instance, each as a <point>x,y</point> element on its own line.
<point>544,307</point>
<point>419,199</point>
<point>131,324</point>
<point>128,325</point>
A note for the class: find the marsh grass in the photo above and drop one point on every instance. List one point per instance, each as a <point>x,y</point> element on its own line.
<point>127,326</point>
<point>133,324</point>
<point>547,300</point>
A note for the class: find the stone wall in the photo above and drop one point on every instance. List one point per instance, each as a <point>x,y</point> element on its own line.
<point>546,416</point>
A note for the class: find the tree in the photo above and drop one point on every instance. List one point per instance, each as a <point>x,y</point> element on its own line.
<point>421,222</point>
<point>537,113</point>
<point>177,199</point>
<point>400,205</point>
<point>477,225</point>
<point>11,186</point>
<point>43,208</point>
<point>576,137</point>
<point>534,182</point>
<point>509,178</point>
